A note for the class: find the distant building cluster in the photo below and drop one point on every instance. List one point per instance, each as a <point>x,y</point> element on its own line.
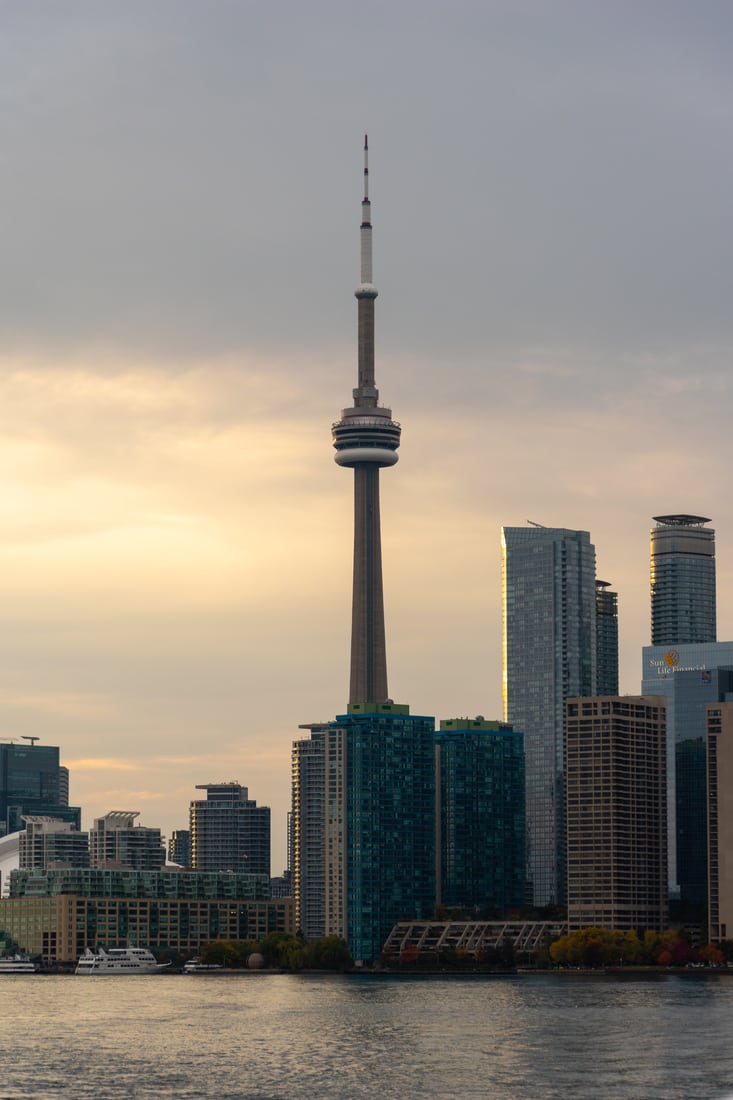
<point>66,889</point>
<point>579,803</point>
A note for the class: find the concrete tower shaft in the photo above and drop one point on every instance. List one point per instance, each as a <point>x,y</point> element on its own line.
<point>366,438</point>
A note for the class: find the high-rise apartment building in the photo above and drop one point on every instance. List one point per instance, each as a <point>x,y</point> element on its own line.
<point>364,825</point>
<point>682,580</point>
<point>179,847</point>
<point>388,860</point>
<point>364,785</point>
<point>116,841</point>
<point>689,677</point>
<point>719,721</point>
<point>480,825</point>
<point>308,776</point>
<point>606,639</point>
<point>549,655</point>
<point>616,813</point>
<point>33,782</point>
<point>46,841</point>
<point>229,831</point>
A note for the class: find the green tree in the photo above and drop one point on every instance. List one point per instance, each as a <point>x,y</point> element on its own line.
<point>224,952</point>
<point>273,947</point>
<point>328,953</point>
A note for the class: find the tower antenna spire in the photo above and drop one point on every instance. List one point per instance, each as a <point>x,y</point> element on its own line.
<point>365,438</point>
<point>366,225</point>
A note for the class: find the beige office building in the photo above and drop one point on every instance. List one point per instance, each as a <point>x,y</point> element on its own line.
<point>719,718</point>
<point>616,812</point>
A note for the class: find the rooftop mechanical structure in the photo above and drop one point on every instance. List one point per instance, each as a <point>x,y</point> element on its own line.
<point>366,438</point>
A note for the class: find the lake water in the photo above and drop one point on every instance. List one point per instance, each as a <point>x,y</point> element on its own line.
<point>285,1037</point>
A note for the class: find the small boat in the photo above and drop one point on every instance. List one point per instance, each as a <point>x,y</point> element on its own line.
<point>17,964</point>
<point>195,966</point>
<point>119,960</point>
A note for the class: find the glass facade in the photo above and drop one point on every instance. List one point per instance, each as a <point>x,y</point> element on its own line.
<point>179,847</point>
<point>481,826</point>
<point>97,883</point>
<point>720,819</point>
<point>549,654</point>
<point>364,825</point>
<point>606,639</point>
<point>31,782</point>
<point>390,824</point>
<point>689,677</point>
<point>692,824</point>
<point>682,581</point>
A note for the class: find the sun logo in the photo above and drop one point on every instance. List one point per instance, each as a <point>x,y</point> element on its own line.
<point>671,657</point>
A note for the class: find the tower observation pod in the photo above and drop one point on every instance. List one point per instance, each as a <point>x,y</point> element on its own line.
<point>366,438</point>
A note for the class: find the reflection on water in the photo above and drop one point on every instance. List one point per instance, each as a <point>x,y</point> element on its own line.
<point>289,1037</point>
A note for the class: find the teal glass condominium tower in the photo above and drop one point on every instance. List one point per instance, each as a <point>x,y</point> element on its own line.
<point>479,769</point>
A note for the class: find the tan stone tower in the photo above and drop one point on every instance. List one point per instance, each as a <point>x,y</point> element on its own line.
<point>366,437</point>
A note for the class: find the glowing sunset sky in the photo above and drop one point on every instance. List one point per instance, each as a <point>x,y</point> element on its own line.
<point>181,184</point>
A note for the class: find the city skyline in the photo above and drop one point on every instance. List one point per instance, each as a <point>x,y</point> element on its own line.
<point>177,324</point>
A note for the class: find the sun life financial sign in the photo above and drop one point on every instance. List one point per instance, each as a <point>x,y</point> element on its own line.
<point>671,663</point>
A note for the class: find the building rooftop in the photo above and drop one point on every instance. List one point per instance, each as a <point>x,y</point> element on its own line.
<point>681,521</point>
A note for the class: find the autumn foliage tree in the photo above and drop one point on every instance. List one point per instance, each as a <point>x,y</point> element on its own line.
<point>599,947</point>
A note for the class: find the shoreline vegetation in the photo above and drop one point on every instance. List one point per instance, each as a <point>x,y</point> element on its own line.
<point>587,951</point>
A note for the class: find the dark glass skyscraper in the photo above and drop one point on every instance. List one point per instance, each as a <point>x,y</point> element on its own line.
<point>389,841</point>
<point>549,654</point>
<point>682,580</point>
<point>33,782</point>
<point>606,639</point>
<point>689,677</point>
<point>481,825</point>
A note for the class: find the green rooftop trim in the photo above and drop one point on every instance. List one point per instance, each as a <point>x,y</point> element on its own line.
<point>492,725</point>
<point>378,708</point>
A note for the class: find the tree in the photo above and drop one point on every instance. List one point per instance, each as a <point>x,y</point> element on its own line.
<point>273,947</point>
<point>711,955</point>
<point>328,953</point>
<point>224,952</point>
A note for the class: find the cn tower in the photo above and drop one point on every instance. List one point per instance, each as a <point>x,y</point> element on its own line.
<point>366,438</point>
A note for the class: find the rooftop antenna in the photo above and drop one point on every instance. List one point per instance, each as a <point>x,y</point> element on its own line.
<point>532,523</point>
<point>27,737</point>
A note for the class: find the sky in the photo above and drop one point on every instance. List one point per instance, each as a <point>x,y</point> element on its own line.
<point>180,187</point>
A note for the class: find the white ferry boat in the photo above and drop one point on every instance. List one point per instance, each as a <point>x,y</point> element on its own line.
<point>119,960</point>
<point>195,966</point>
<point>17,964</point>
